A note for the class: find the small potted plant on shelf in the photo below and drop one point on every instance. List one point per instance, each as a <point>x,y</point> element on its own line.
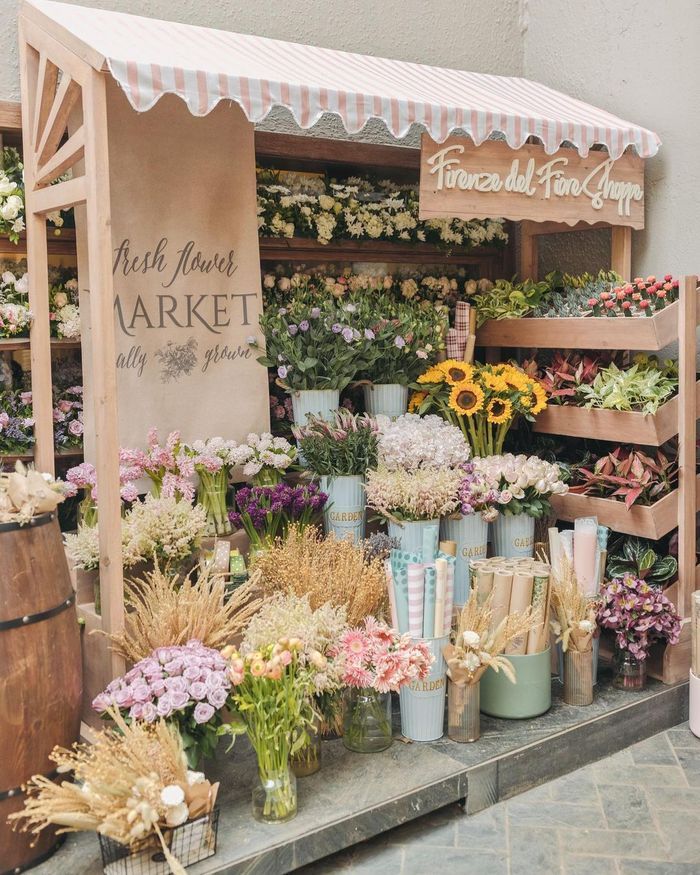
<point>340,452</point>
<point>524,485</point>
<point>640,615</point>
<point>133,788</point>
<point>628,554</point>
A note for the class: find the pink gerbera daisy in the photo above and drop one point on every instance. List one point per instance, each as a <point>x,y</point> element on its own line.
<point>354,642</point>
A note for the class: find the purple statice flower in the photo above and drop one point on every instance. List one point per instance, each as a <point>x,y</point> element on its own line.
<point>282,311</point>
<point>336,328</point>
<point>304,325</point>
<point>399,341</point>
<point>347,335</point>
<point>293,329</point>
<point>369,334</point>
<point>282,372</point>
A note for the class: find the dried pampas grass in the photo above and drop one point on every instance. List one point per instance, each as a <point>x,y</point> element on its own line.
<point>575,613</point>
<point>166,611</point>
<point>328,570</point>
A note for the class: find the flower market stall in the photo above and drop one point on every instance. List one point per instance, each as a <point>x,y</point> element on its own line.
<point>340,290</point>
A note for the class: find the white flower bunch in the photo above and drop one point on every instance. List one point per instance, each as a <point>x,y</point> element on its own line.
<point>519,473</point>
<point>15,315</point>
<point>264,451</point>
<point>419,494</point>
<point>212,454</point>
<point>67,319</point>
<point>411,442</point>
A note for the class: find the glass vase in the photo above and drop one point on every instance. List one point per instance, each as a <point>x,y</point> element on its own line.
<point>578,677</point>
<point>463,715</point>
<point>211,494</point>
<point>267,477</point>
<point>367,720</point>
<point>630,672</point>
<point>275,796</point>
<point>307,760</point>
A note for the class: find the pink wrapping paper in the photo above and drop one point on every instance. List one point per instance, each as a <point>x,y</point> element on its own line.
<point>416,580</point>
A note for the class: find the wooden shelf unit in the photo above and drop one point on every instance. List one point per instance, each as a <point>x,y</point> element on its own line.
<point>11,344</point>
<point>70,453</point>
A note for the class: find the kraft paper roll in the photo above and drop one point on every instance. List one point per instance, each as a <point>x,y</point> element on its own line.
<point>520,600</point>
<point>502,585</point>
<point>537,638</point>
<point>415,599</point>
<point>392,594</point>
<point>484,584</point>
<point>449,547</point>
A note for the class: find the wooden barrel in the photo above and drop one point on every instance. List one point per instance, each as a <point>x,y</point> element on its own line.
<point>40,672</point>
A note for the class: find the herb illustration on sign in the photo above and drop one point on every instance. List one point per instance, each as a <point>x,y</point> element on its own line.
<point>177,360</point>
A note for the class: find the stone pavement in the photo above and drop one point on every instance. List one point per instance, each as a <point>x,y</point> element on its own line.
<point>634,813</point>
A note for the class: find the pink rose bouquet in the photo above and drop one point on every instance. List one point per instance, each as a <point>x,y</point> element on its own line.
<point>186,685</point>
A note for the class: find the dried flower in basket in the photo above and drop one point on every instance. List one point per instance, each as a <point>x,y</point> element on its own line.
<point>131,784</point>
<point>165,610</point>
<point>478,646</point>
<point>328,569</point>
<point>575,613</point>
<point>25,493</point>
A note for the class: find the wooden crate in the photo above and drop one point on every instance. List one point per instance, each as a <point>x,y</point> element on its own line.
<point>652,522</point>
<point>602,332</point>
<point>619,426</point>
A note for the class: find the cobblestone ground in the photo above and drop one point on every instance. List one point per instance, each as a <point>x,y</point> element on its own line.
<point>634,813</point>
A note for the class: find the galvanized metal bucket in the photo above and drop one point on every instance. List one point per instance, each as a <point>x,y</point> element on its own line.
<point>423,702</point>
<point>513,535</point>
<point>410,534</point>
<point>345,509</point>
<point>471,534</point>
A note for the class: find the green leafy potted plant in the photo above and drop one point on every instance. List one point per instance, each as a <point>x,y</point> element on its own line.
<point>636,556</point>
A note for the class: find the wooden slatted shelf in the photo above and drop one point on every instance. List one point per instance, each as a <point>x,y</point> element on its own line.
<point>308,249</point>
<point>10,344</point>
<point>620,426</point>
<point>589,332</point>
<point>69,453</point>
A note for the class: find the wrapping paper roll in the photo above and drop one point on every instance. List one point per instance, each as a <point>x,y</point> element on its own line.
<point>449,596</point>
<point>537,637</point>
<point>430,544</point>
<point>449,547</point>
<point>429,602</point>
<point>453,349</point>
<point>520,600</point>
<point>392,594</point>
<point>502,585</point>
<point>400,560</point>
<point>415,599</point>
<point>484,584</point>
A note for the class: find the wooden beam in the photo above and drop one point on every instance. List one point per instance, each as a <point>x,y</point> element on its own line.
<point>38,269</point>
<point>319,151</point>
<point>539,229</point>
<point>69,154</point>
<point>103,364</point>
<point>10,115</point>
<point>66,96</point>
<point>528,251</point>
<point>687,502</point>
<point>45,94</point>
<point>48,41</point>
<point>60,196</point>
<point>621,251</point>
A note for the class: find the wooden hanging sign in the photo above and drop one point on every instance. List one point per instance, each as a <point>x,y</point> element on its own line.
<point>461,180</point>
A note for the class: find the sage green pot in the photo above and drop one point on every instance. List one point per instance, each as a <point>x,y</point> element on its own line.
<point>529,696</point>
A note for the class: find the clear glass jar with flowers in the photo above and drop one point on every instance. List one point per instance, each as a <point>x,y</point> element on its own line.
<point>639,614</point>
<point>376,662</point>
<point>482,400</point>
<point>271,696</point>
<point>211,460</point>
<point>84,477</point>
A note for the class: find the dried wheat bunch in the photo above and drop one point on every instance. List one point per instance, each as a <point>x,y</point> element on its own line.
<point>129,784</point>
<point>167,612</point>
<point>575,612</point>
<point>328,570</point>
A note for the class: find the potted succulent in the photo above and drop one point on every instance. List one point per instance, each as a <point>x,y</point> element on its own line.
<point>340,452</point>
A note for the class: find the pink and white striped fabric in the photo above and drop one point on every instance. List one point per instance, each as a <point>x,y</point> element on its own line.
<point>150,58</point>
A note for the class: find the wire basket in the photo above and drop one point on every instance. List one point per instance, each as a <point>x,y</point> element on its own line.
<point>189,843</point>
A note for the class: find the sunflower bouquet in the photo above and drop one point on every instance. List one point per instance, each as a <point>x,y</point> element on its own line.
<point>482,400</point>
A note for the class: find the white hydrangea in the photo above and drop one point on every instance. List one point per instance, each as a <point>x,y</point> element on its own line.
<point>413,441</point>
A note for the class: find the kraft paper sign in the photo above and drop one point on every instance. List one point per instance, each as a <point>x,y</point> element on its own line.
<point>461,180</point>
<point>186,272</point>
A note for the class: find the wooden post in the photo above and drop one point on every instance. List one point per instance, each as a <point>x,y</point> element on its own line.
<point>37,264</point>
<point>687,500</point>
<point>99,246</point>
<point>528,251</point>
<point>621,251</point>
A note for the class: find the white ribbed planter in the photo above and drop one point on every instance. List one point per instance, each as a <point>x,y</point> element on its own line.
<point>319,402</point>
<point>423,702</point>
<point>344,514</point>
<point>694,709</point>
<point>410,534</point>
<point>386,399</point>
<point>513,535</point>
<point>471,534</point>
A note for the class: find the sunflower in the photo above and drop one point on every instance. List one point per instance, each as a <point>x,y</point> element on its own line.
<point>499,410</point>
<point>466,398</point>
<point>540,398</point>
<point>417,398</point>
<point>495,382</point>
<point>456,372</point>
<point>433,375</point>
<point>526,400</point>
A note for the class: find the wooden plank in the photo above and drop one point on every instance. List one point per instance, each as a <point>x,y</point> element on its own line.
<point>590,332</point>
<point>67,95</point>
<point>612,425</point>
<point>461,180</point>
<point>69,153</point>
<point>9,344</point>
<point>37,267</point>
<point>62,46</point>
<point>670,663</point>
<point>60,196</point>
<point>104,380</point>
<point>45,94</point>
<point>10,115</point>
<point>540,229</point>
<point>529,261</point>
<point>687,484</point>
<point>318,152</point>
<point>621,251</point>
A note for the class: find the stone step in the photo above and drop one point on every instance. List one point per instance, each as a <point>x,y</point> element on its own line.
<point>357,796</point>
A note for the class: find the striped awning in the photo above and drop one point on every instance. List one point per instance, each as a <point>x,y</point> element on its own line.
<point>149,58</point>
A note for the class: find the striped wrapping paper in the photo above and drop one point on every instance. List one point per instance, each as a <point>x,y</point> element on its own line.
<point>415,599</point>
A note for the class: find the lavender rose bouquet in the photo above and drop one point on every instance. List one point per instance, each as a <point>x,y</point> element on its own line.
<point>186,685</point>
<point>266,512</point>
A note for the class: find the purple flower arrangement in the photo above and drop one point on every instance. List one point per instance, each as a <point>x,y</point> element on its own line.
<point>476,494</point>
<point>188,685</point>
<point>639,614</point>
<point>266,512</point>
<point>68,418</point>
<point>16,422</point>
